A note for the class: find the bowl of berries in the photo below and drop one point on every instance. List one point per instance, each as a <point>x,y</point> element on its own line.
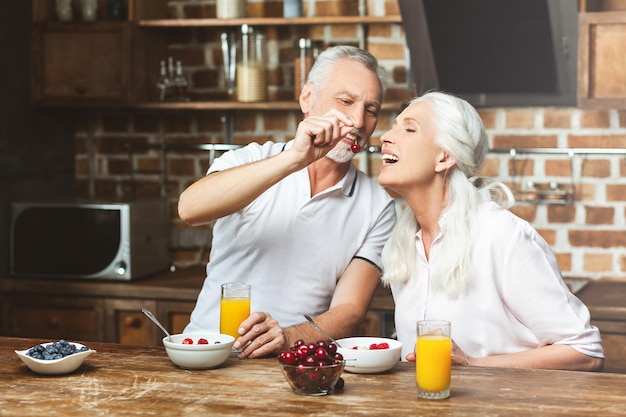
<point>55,358</point>
<point>198,351</point>
<point>312,368</point>
<point>369,355</point>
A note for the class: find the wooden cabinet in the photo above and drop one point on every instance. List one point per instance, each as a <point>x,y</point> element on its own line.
<point>602,56</point>
<point>81,64</point>
<point>116,63</point>
<point>99,311</point>
<point>103,311</point>
<point>606,303</point>
<point>53,316</point>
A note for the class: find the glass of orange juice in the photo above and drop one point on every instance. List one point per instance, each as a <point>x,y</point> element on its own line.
<point>234,307</point>
<point>433,359</point>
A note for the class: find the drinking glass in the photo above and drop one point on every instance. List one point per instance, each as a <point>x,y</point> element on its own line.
<point>433,359</point>
<point>234,307</point>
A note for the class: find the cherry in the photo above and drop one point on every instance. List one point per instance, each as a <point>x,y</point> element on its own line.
<point>321,353</point>
<point>187,341</point>
<point>331,348</point>
<point>355,148</point>
<point>203,341</point>
<point>288,357</point>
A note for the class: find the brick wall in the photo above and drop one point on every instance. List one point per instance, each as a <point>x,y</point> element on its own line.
<point>589,235</point>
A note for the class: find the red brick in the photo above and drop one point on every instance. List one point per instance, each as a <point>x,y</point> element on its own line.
<point>524,167</point>
<point>557,118</point>
<point>519,118</point>
<point>596,141</point>
<point>597,238</point>
<point>118,166</point>
<point>596,262</point>
<point>598,168</point>
<point>615,192</point>
<point>594,119</point>
<point>599,215</point>
<point>181,167</point>
<point>561,214</point>
<point>524,141</point>
<point>558,168</point>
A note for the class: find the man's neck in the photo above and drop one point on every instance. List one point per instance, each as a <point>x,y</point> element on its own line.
<point>325,173</point>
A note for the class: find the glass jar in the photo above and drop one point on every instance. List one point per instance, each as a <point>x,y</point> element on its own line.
<point>231,9</point>
<point>251,74</point>
<point>306,52</point>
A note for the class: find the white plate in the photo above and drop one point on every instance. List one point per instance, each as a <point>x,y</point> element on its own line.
<point>61,366</point>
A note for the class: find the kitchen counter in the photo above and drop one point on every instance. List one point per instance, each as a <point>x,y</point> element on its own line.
<point>141,380</point>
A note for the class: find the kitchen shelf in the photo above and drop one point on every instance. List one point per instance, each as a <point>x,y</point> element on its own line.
<point>269,21</point>
<point>553,193</point>
<point>236,105</point>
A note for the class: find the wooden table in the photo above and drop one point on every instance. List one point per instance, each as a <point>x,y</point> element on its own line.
<point>141,381</point>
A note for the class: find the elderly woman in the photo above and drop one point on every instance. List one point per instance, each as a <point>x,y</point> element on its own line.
<point>457,254</point>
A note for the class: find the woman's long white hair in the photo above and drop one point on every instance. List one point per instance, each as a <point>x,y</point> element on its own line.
<point>460,133</point>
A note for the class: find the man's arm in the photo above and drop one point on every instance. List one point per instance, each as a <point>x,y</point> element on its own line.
<point>262,334</point>
<point>225,192</point>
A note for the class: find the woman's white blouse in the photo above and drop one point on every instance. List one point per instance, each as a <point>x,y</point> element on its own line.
<point>517,299</point>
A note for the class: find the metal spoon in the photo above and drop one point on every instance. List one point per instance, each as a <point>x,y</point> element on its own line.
<point>319,329</point>
<point>157,322</point>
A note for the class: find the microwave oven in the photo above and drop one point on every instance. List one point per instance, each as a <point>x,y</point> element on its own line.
<point>92,240</point>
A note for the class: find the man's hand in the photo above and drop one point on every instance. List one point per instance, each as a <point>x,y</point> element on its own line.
<point>260,335</point>
<point>317,135</point>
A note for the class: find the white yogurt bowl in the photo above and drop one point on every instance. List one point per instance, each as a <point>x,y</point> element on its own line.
<point>199,356</point>
<point>364,360</point>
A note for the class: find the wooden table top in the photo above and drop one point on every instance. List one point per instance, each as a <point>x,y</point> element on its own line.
<point>141,381</point>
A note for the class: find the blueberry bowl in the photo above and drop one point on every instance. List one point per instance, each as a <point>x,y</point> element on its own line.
<point>55,358</point>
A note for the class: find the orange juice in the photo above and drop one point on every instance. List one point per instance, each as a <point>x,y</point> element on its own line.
<point>433,362</point>
<point>232,312</point>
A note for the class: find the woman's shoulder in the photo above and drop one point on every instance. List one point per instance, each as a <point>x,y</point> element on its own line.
<point>502,222</point>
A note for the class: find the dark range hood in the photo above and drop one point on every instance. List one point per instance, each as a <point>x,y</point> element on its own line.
<point>494,52</point>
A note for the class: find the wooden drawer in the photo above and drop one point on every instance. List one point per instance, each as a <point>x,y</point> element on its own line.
<point>53,318</point>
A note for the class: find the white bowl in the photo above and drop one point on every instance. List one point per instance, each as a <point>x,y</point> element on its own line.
<point>369,361</point>
<point>61,366</point>
<point>199,356</point>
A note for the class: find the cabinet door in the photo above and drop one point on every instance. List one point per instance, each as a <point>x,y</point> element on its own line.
<point>81,64</point>
<point>176,314</point>
<point>126,324</point>
<point>602,55</point>
<point>53,318</point>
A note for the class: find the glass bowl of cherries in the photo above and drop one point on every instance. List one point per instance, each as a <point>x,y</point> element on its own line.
<point>312,368</point>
